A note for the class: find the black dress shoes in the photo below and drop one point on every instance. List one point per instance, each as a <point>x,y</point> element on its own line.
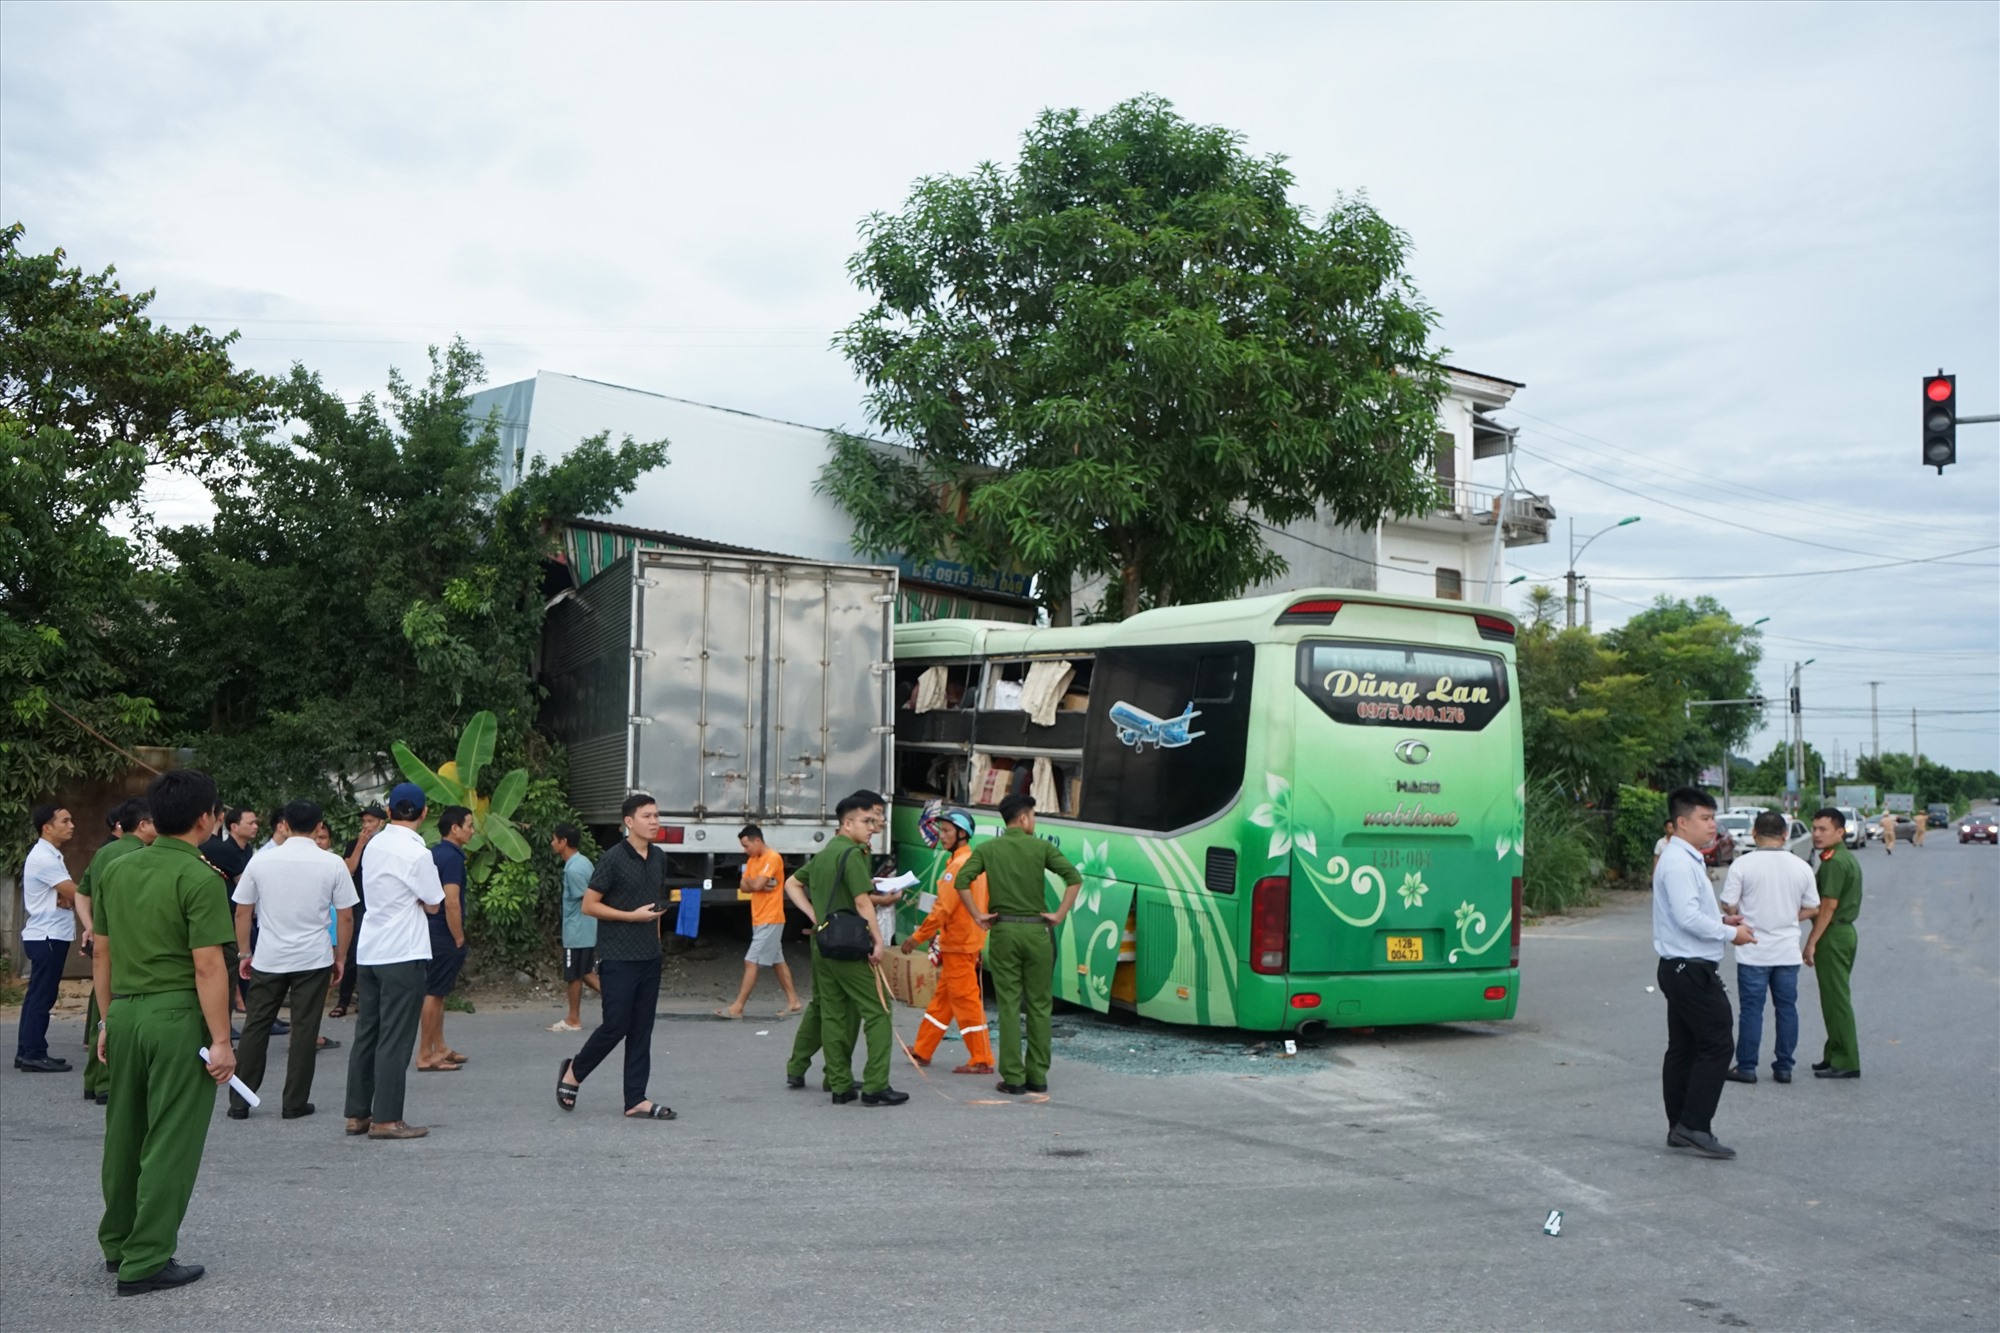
<point>1037,1087</point>
<point>1836,1073</point>
<point>45,1065</point>
<point>238,1113</point>
<point>1819,1065</point>
<point>886,1097</point>
<point>1735,1075</point>
<point>307,1109</point>
<point>1011,1089</point>
<point>1700,1140</point>
<point>795,1081</point>
<point>843,1098</point>
<point>1781,1076</point>
<point>175,1274</point>
<point>110,1265</point>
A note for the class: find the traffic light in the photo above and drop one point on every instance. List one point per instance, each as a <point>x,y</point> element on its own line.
<point>1940,421</point>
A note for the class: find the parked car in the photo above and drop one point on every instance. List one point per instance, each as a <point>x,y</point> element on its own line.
<point>1736,825</point>
<point>1979,826</point>
<point>1720,853</point>
<point>1940,814</point>
<point>1798,839</point>
<point>1875,827</point>
<point>1857,827</point>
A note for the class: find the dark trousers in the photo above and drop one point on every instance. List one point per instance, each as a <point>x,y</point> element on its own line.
<point>306,993</point>
<point>631,997</point>
<point>353,972</point>
<point>46,959</point>
<point>1700,1040</point>
<point>378,1069</point>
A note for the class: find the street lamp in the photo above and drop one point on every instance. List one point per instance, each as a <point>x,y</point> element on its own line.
<point>1569,618</point>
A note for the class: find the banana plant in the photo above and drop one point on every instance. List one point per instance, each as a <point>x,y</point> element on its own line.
<point>456,782</point>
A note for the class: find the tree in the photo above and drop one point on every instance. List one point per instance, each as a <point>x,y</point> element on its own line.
<point>92,394</point>
<point>1588,723</point>
<point>365,581</point>
<point>1127,355</point>
<point>1688,651</point>
<point>1768,777</point>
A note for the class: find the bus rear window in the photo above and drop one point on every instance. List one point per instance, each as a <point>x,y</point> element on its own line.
<point>1393,685</point>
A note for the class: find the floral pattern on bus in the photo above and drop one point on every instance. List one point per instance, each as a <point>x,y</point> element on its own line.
<point>1276,815</point>
<point>1364,880</point>
<point>1470,918</point>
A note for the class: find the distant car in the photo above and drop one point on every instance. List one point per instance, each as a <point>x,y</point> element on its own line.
<point>1857,828</point>
<point>1940,814</point>
<point>1721,852</point>
<point>1798,838</point>
<point>1736,825</point>
<point>1980,826</point>
<point>1874,827</point>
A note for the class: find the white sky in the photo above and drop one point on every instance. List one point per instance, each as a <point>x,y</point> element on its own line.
<point>1720,243</point>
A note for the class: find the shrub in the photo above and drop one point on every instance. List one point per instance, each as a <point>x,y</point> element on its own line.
<point>1642,813</point>
<point>1560,859</point>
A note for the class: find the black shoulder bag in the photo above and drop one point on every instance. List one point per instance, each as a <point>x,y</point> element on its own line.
<point>844,937</point>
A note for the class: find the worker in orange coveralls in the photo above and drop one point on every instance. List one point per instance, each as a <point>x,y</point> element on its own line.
<point>960,939</point>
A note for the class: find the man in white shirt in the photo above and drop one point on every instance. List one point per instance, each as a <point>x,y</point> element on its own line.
<point>49,894</point>
<point>291,885</point>
<point>1688,934</point>
<point>400,882</point>
<point>1774,891</point>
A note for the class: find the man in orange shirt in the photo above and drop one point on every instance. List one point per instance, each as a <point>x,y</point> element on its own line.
<point>764,881</point>
<point>960,938</point>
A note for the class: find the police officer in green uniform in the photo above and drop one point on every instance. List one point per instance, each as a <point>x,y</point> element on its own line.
<point>809,1040</point>
<point>1021,950</point>
<point>1830,951</point>
<point>133,825</point>
<point>164,989</point>
<point>846,996</point>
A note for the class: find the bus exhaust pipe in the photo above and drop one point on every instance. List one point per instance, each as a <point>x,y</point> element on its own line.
<point>1312,1031</point>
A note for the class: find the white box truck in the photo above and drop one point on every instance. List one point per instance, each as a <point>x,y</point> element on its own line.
<point>733,689</point>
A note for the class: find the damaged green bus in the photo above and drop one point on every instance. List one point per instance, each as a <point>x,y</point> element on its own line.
<point>1291,813</point>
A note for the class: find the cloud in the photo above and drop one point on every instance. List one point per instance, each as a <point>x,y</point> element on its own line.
<point>1726,239</point>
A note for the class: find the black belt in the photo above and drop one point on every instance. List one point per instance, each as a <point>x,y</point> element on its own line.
<point>1698,962</point>
<point>1036,918</point>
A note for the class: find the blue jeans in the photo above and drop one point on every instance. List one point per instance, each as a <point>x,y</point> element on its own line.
<point>45,969</point>
<point>1783,985</point>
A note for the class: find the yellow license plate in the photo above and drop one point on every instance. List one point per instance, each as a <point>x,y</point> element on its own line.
<point>1406,948</point>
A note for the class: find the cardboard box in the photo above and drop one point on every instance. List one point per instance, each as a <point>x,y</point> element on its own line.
<point>912,978</point>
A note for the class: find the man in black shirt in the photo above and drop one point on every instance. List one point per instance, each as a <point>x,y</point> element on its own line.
<point>229,852</point>
<point>373,818</point>
<point>626,896</point>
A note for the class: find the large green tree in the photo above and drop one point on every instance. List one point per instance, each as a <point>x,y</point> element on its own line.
<point>93,394</point>
<point>1690,652</point>
<point>1124,356</point>
<point>364,581</point>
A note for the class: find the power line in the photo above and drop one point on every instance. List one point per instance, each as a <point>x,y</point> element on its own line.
<point>1801,573</point>
<point>1845,516</point>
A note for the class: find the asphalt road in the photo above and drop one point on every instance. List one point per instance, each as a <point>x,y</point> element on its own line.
<point>1392,1180</point>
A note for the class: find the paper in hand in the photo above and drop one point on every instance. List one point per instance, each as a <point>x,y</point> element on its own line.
<point>242,1089</point>
<point>906,880</point>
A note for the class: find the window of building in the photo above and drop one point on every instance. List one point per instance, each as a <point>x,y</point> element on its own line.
<point>1449,585</point>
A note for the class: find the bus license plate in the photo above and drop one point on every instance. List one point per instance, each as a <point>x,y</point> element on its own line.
<point>1406,948</point>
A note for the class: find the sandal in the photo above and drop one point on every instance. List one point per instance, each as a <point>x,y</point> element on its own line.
<point>438,1069</point>
<point>653,1112</point>
<point>455,1058</point>
<point>338,1011</point>
<point>724,1013</point>
<point>566,1091</point>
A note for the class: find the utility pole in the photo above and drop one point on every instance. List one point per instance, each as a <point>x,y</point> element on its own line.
<point>1586,606</point>
<point>1874,720</point>
<point>1916,755</point>
<point>1569,578</point>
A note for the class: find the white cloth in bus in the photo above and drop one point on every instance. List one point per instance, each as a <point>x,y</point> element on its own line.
<point>1043,787</point>
<point>930,690</point>
<point>1006,696</point>
<point>1046,684</point>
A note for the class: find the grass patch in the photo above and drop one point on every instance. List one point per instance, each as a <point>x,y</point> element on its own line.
<point>1561,861</point>
<point>458,1004</point>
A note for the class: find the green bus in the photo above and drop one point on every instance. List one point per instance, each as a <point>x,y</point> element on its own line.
<point>1291,812</point>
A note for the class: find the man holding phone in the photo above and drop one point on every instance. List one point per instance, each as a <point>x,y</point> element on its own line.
<point>627,899</point>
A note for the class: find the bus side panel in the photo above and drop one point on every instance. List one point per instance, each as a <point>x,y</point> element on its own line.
<point>1187,964</point>
<point>1088,941</point>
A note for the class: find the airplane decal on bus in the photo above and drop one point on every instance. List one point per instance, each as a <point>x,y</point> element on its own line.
<point>1139,728</point>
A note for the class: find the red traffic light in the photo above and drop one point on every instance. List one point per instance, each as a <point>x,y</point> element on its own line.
<point>1939,389</point>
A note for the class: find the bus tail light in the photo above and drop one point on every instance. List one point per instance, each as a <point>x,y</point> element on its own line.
<point>1316,611</point>
<point>1305,1000</point>
<point>1514,931</point>
<point>1493,627</point>
<point>1271,926</point>
<point>1496,992</point>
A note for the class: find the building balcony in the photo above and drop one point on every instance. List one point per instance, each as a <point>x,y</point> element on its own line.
<point>1525,519</point>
